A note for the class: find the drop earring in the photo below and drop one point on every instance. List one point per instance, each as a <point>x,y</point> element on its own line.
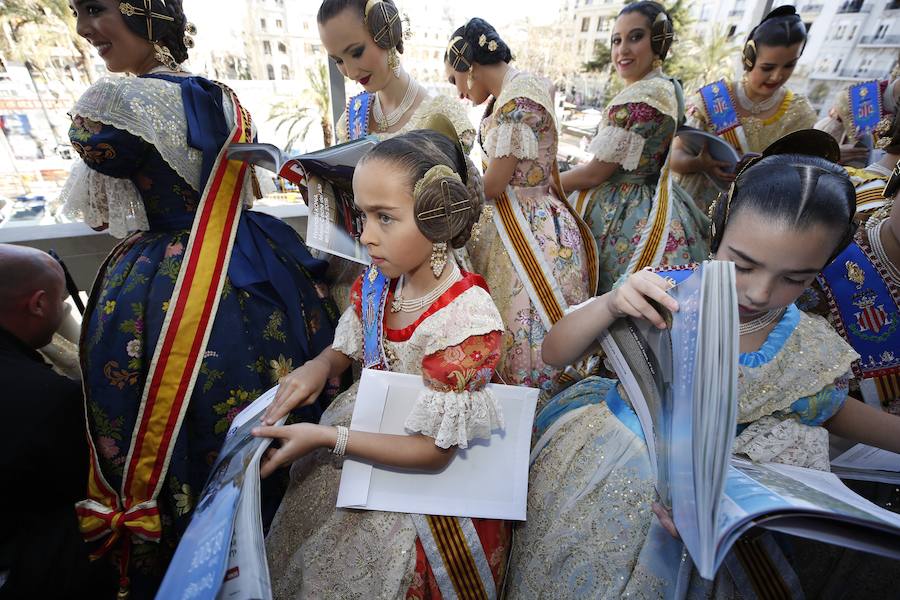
<point>164,56</point>
<point>438,258</point>
<point>470,80</point>
<point>394,62</point>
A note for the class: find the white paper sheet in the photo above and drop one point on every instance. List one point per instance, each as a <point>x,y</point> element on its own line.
<point>487,480</point>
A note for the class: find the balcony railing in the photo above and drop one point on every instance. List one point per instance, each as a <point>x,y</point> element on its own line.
<point>884,41</point>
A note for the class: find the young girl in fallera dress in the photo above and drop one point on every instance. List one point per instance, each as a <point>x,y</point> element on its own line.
<point>410,313</point>
<point>591,532</point>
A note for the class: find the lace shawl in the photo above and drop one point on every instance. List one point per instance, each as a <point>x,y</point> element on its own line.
<point>151,109</point>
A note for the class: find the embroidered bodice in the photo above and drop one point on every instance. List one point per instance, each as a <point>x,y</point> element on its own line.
<point>138,167</point>
<point>640,124</point>
<point>431,105</point>
<point>521,124</point>
<point>455,346</point>
<point>793,114</point>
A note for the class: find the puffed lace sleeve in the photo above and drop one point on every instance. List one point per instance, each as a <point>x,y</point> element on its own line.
<point>455,406</point>
<point>621,139</point>
<point>516,134</point>
<point>348,336</point>
<point>99,190</point>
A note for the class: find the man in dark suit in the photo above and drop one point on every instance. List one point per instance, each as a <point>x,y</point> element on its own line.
<point>43,452</point>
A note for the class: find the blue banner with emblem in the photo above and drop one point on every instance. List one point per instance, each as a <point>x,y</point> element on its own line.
<point>358,116</point>
<point>865,106</point>
<point>719,106</point>
<point>867,313</point>
<point>375,287</point>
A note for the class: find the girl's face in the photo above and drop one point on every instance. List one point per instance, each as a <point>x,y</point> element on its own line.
<point>630,43</point>
<point>350,44</point>
<point>774,262</point>
<point>383,195</point>
<point>477,94</point>
<point>774,66</point>
<point>101,24</point>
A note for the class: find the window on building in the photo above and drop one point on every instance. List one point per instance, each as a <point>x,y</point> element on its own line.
<point>262,24</point>
<point>837,65</point>
<point>853,32</point>
<point>731,31</point>
<point>285,72</point>
<point>279,24</point>
<point>580,46</point>
<point>599,23</point>
<point>282,48</point>
<point>267,48</point>
<point>270,71</point>
<point>585,23</point>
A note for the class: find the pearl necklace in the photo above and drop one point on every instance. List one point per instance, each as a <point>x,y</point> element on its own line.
<point>761,322</point>
<point>757,108</point>
<point>385,122</point>
<point>874,233</point>
<point>416,304</point>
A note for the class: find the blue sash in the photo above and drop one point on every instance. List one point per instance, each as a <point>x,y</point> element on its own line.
<point>375,287</point>
<point>358,116</point>
<point>719,107</point>
<point>865,106</point>
<point>867,316</point>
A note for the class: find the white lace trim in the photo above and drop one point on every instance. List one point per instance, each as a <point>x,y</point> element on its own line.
<point>348,336</point>
<point>99,200</point>
<point>455,418</point>
<point>617,145</point>
<point>512,139</point>
<point>785,441</point>
<point>152,109</point>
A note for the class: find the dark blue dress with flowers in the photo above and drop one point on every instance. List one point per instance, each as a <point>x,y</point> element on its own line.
<point>273,315</point>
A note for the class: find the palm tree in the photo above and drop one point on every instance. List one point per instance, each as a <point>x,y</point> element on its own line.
<point>700,59</point>
<point>320,96</point>
<point>291,115</point>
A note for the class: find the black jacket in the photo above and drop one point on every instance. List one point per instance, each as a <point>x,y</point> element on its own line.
<point>43,473</point>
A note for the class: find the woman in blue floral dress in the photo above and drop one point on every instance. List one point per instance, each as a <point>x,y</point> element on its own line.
<point>153,170</point>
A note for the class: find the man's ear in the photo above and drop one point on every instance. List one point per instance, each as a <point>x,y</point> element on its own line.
<point>36,305</point>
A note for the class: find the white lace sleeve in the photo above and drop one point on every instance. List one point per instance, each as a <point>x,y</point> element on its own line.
<point>454,418</point>
<point>617,145</point>
<point>99,199</point>
<point>512,139</point>
<point>348,335</point>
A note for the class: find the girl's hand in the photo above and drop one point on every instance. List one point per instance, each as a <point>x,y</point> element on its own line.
<point>717,168</point>
<point>296,441</point>
<point>665,519</point>
<point>630,299</point>
<point>300,388</point>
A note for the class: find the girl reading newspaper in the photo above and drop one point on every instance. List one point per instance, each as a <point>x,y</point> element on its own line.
<point>591,530</point>
<point>413,311</point>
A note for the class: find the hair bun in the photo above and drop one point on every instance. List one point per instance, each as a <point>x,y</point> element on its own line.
<point>384,22</point>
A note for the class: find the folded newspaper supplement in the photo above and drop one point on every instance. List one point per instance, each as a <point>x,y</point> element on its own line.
<point>333,225</point>
<point>682,384</point>
<point>222,554</point>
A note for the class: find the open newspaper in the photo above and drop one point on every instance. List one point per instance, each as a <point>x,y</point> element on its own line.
<point>682,383</point>
<point>696,140</point>
<point>333,225</point>
<point>222,554</point>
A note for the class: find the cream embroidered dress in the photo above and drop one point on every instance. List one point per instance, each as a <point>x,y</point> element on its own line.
<point>520,124</point>
<point>318,551</point>
<point>342,272</point>
<point>591,532</point>
<point>641,122</point>
<point>794,113</point>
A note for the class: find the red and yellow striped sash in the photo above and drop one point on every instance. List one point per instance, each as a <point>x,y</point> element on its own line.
<point>176,362</point>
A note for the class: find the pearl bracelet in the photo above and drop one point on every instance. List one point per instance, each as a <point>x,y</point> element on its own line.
<point>340,444</point>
